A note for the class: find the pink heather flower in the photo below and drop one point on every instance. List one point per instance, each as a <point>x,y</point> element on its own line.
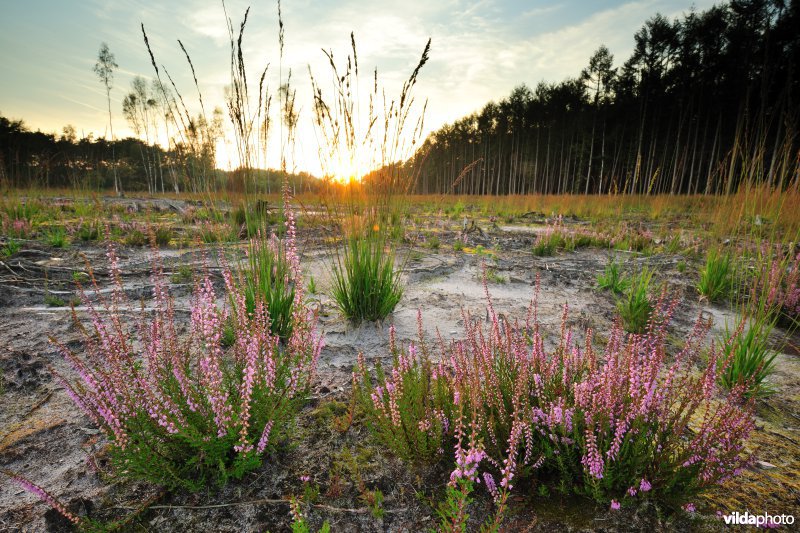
<point>615,505</point>
<point>632,491</point>
<point>689,507</point>
<point>491,486</point>
<point>645,485</point>
<point>264,440</point>
<point>305,479</point>
<point>45,496</point>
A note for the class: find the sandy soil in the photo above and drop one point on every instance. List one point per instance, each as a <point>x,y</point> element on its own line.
<point>44,437</point>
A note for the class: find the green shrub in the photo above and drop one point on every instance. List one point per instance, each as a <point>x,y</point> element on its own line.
<point>163,236</point>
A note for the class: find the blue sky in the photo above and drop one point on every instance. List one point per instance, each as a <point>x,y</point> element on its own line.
<point>480,50</point>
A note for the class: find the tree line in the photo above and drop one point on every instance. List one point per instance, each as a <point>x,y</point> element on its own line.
<point>705,102</point>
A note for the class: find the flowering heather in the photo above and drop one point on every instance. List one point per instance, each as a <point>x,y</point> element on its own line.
<point>182,410</point>
<point>44,496</point>
<point>410,410</point>
<point>623,423</point>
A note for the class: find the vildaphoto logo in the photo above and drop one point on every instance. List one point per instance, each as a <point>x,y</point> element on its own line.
<point>765,519</point>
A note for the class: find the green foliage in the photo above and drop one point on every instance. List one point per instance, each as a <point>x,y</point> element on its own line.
<point>635,308</point>
<point>312,285</point>
<point>268,278</point>
<point>452,511</point>
<point>10,247</point>
<point>716,276</point>
<point>409,409</point>
<point>162,236</point>
<point>56,237</point>
<point>365,284</point>
<point>135,237</point>
<point>493,276</point>
<point>88,231</point>
<point>547,243</point>
<point>184,274</point>
<point>612,279</point>
<point>458,245</point>
<point>52,300</point>
<point>752,360</point>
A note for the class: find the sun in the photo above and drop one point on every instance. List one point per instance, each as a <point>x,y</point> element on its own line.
<point>347,169</point>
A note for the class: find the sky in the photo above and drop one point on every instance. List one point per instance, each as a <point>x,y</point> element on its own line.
<point>481,50</point>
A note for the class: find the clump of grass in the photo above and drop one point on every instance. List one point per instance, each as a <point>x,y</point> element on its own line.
<point>56,237</point>
<point>433,242</point>
<point>88,232</point>
<point>312,285</point>
<point>492,276</point>
<point>751,359</point>
<point>10,247</point>
<point>269,278</point>
<point>184,274</point>
<point>458,245</point>
<point>612,279</point>
<point>135,237</point>
<point>635,308</point>
<point>716,276</point>
<point>162,236</point>
<point>366,285</point>
<point>52,300</point>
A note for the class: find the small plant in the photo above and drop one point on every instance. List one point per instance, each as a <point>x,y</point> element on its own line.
<point>612,279</point>
<point>162,236</point>
<point>312,285</point>
<point>433,242</point>
<point>52,300</point>
<point>635,307</point>
<point>458,245</point>
<point>79,276</point>
<point>410,409</point>
<point>751,359</point>
<point>270,276</point>
<point>715,277</point>
<point>135,237</point>
<point>10,247</point>
<point>184,274</point>
<point>493,276</point>
<point>365,284</point>
<point>681,266</point>
<point>56,237</point>
<point>88,231</point>
<point>183,413</point>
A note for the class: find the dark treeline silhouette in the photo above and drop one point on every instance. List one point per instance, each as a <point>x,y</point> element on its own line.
<point>37,159</point>
<point>705,103</point>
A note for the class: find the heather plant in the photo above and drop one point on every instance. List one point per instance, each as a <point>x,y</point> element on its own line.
<point>628,423</point>
<point>612,279</point>
<point>635,308</point>
<point>365,283</point>
<point>184,412</point>
<point>716,276</point>
<point>410,409</point>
